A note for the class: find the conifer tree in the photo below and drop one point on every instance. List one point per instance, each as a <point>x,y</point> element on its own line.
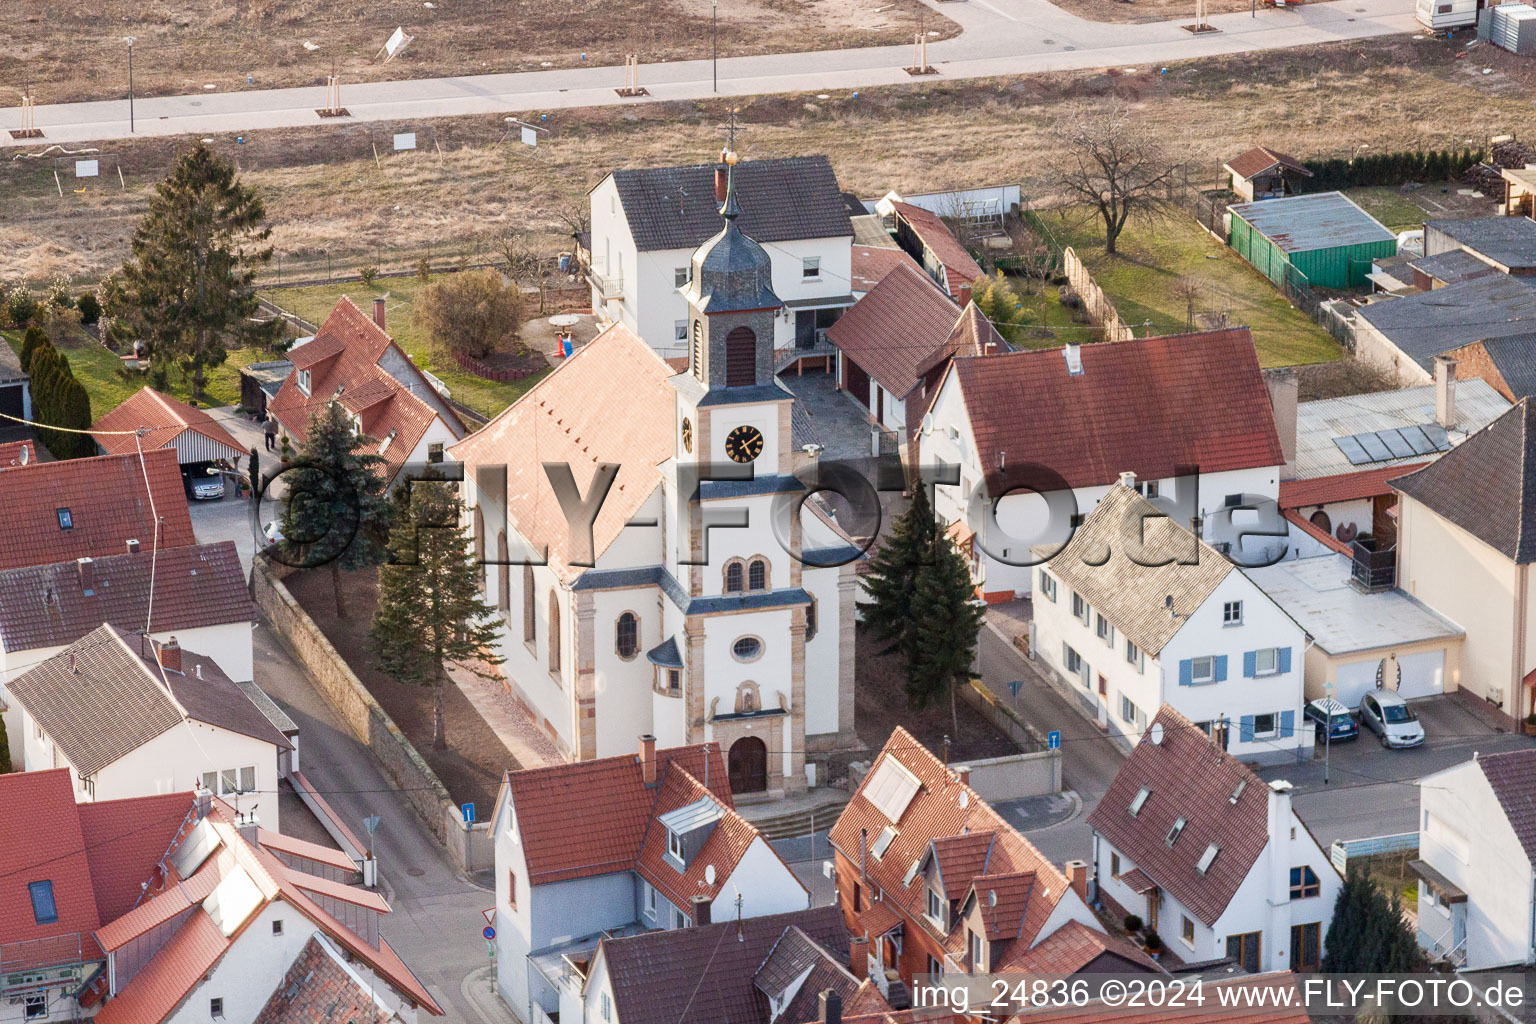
<point>5,751</point>
<point>1368,934</point>
<point>892,574</point>
<point>945,618</point>
<point>30,342</point>
<point>335,512</point>
<point>188,287</point>
<point>430,605</point>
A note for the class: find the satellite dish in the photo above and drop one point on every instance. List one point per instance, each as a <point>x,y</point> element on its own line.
<point>709,874</point>
<point>927,423</point>
<point>965,798</point>
<point>1157,732</point>
<point>991,897</point>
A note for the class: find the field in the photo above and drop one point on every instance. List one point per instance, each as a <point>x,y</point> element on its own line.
<point>314,303</point>
<point>70,50</point>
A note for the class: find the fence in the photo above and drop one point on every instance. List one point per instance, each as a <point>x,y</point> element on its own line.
<point>1097,305</point>
<point>1345,849</point>
<point>1210,210</point>
<point>470,364</point>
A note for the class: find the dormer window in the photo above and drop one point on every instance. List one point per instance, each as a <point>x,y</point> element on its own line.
<point>689,828</point>
<point>302,380</point>
<point>675,845</point>
<point>936,906</point>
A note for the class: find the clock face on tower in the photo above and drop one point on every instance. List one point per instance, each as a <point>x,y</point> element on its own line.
<point>744,444</point>
<point>687,435</point>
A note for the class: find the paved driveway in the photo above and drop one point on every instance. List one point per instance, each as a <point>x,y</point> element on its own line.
<point>1372,791</point>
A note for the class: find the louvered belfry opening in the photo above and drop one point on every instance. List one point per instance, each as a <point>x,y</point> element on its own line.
<point>740,358</point>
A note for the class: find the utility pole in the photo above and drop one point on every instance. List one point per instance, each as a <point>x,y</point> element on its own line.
<point>130,40</point>
<point>714,21</point>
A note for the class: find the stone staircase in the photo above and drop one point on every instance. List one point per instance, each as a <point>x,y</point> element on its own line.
<point>786,819</point>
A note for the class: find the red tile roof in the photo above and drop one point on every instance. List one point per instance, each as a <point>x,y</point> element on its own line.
<point>1188,777</point>
<point>343,361</point>
<point>1128,410</point>
<point>107,503</point>
<point>1260,159</point>
<point>872,262</point>
<point>1322,490</point>
<point>1073,947</point>
<point>722,851</point>
<point>941,811</point>
<point>591,817</point>
<point>17,453</point>
<point>1214,1010</point>
<point>1316,532</point>
<point>131,843</point>
<point>959,268</point>
<point>568,417</point>
<point>172,972</point>
<point>897,328</point>
<point>318,990</point>
<point>167,418</point>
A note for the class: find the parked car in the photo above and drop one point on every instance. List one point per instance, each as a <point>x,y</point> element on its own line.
<point>273,531</point>
<point>1389,716</point>
<point>1332,720</point>
<point>203,481</point>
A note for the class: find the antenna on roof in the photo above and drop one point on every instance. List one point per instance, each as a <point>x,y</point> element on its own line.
<point>740,935</point>
<point>1157,733</point>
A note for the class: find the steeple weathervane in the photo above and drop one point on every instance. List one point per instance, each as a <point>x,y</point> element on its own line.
<point>730,210</point>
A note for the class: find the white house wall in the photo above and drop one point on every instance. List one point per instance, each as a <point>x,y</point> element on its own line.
<point>765,883</point>
<point>174,762</point>
<point>821,654</point>
<point>623,687</point>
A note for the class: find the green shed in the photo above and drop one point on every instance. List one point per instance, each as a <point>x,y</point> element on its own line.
<point>1324,237</point>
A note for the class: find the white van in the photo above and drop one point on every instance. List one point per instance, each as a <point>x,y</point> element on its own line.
<point>1440,15</point>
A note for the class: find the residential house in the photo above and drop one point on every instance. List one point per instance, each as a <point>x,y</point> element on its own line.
<point>1273,998</point>
<point>397,409</point>
<point>1135,613</point>
<point>1321,240</point>
<point>1477,862</point>
<point>1210,855</point>
<point>1403,335</point>
<point>1264,173</point>
<point>649,621</point>
<point>177,722</point>
<point>1508,364</point>
<point>17,453</point>
<point>1346,449</point>
<point>872,262</point>
<point>937,882</point>
<point>201,443</point>
<point>170,908</point>
<point>90,508</point>
<point>15,388</point>
<point>1507,244</point>
<point>1064,423</point>
<point>620,845</point>
<point>200,598</point>
<point>924,236</point>
<point>895,342</point>
<point>648,222</point>
<point>1465,545</point>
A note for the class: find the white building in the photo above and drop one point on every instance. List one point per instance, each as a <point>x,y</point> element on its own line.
<point>647,223</point>
<point>176,722</point>
<point>1210,856</point>
<point>1043,435</point>
<point>1134,614</point>
<point>618,846</point>
<point>1477,862</point>
<point>657,618</point>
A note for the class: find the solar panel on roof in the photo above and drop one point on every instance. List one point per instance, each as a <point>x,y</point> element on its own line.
<point>1374,447</point>
<point>891,788</point>
<point>1396,443</point>
<point>1418,440</point>
<point>1352,450</point>
<point>1437,436</point>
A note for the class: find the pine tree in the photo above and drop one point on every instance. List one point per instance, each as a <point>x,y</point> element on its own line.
<point>30,343</point>
<point>941,640</point>
<point>336,513</point>
<point>430,604</point>
<point>999,303</point>
<point>188,287</point>
<point>1367,934</point>
<point>892,573</point>
<point>5,751</point>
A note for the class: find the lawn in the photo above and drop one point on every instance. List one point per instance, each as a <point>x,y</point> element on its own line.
<point>1155,258</point>
<point>1395,210</point>
<point>315,303</point>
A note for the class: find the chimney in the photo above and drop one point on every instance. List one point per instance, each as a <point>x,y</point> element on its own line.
<point>648,759</point>
<point>1279,840</point>
<point>1127,479</point>
<point>199,669</point>
<point>1197,526</point>
<point>247,825</point>
<point>203,800</point>
<point>133,546</point>
<point>701,912</point>
<point>963,296</point>
<point>1445,391</point>
<point>86,569</point>
<point>962,774</point>
<point>378,312</point>
<point>858,956</point>
<point>830,1007</point>
<point>169,654</point>
<point>720,179</point>
<point>1284,385</point>
<point>1077,877</point>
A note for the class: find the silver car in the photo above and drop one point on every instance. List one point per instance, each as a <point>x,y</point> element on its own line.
<point>1389,716</point>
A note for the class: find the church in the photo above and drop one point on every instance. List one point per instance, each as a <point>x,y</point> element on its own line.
<point>698,596</point>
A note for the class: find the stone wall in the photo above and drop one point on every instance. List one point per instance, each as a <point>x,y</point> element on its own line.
<point>362,715</point>
<point>1016,775</point>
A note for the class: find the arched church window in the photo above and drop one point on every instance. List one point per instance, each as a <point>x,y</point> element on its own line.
<point>733,583</point>
<point>757,574</point>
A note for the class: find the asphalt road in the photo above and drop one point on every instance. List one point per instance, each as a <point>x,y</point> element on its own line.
<point>1000,37</point>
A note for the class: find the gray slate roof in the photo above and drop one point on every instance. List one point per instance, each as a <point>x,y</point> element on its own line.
<point>1423,326</point>
<point>1510,241</point>
<point>1320,220</point>
<point>1510,776</point>
<point>1514,357</point>
<point>788,198</point>
<point>1453,267</point>
<point>10,366</point>
<point>1487,484</point>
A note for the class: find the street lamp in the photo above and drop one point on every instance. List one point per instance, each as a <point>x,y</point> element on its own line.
<point>714,31</point>
<point>130,40</point>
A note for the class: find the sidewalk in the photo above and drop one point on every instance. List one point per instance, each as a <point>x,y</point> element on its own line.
<point>501,711</point>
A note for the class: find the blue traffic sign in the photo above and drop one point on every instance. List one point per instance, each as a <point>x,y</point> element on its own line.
<point>489,933</point>
<point>1015,686</point>
<point>1053,739</point>
<point>469,813</point>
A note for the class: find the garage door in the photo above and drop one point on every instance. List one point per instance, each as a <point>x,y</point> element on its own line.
<point>1353,681</point>
<point>858,382</point>
<point>10,400</point>
<point>1423,674</point>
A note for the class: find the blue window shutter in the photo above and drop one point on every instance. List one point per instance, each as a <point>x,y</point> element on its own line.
<point>1221,667</point>
<point>1250,666</point>
<point>1245,729</point>
<point>1186,672</point>
<point>1287,724</point>
<point>1284,660</point>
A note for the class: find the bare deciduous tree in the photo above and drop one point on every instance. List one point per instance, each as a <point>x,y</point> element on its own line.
<point>474,313</point>
<point>525,264</point>
<point>1116,165</point>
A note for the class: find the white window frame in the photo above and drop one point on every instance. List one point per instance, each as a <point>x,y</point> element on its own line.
<point>680,330</point>
<point>1129,712</point>
<point>1081,609</point>
<point>1133,655</point>
<point>1232,613</point>
<point>1195,676</point>
<point>810,268</point>
<point>935,906</point>
<point>1104,628</point>
<point>650,900</point>
<point>675,846</point>
<point>1274,661</point>
<point>681,276</point>
<point>1273,730</point>
<point>1073,661</point>
<point>302,380</point>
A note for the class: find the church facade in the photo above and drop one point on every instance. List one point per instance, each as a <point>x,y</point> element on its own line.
<point>710,602</point>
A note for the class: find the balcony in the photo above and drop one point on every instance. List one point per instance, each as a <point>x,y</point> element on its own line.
<point>608,288</point>
<point>783,358</point>
<point>1372,570</point>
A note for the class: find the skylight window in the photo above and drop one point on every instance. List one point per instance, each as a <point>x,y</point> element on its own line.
<point>1207,859</point>
<point>1140,801</point>
<point>1173,833</point>
<point>883,841</point>
<point>44,910</point>
<point>891,789</point>
<point>1238,792</point>
<point>66,519</point>
<point>911,874</point>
